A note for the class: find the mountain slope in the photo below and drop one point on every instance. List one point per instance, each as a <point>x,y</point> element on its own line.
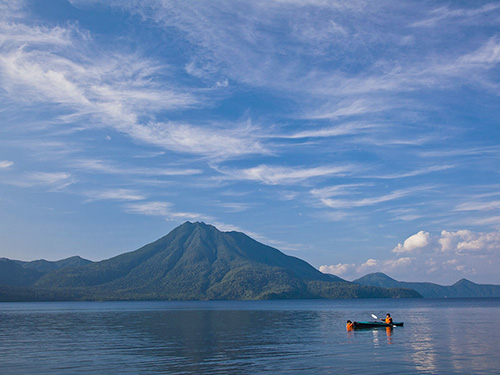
<point>45,266</point>
<point>20,273</point>
<point>12,273</point>
<point>461,289</point>
<point>194,261</point>
<point>197,261</point>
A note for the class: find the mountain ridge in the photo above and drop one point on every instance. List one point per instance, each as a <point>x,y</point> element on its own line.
<point>196,261</point>
<point>463,288</point>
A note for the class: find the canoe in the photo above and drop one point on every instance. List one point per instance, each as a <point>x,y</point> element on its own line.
<point>376,324</point>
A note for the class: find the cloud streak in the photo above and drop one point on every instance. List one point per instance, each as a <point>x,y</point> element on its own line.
<point>370,201</point>
<point>277,175</point>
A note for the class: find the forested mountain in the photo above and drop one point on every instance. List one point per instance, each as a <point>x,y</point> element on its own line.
<point>461,289</point>
<point>197,262</point>
<point>17,272</point>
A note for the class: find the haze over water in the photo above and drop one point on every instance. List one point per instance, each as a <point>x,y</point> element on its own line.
<point>285,337</point>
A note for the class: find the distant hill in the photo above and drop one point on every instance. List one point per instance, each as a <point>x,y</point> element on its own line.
<point>16,272</point>
<point>45,266</point>
<point>12,273</point>
<point>195,262</point>
<point>461,289</point>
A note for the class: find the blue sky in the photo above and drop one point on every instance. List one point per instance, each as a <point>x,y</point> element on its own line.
<point>359,136</point>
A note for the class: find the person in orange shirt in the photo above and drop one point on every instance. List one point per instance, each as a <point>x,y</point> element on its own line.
<point>388,319</point>
<point>349,325</point>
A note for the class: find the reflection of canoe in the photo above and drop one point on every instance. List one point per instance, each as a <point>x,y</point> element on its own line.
<point>376,324</point>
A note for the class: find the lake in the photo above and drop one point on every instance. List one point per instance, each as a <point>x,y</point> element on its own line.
<point>440,336</point>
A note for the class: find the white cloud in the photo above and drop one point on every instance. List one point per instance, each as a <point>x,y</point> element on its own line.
<point>415,242</point>
<point>370,263</point>
<point>234,207</point>
<point>354,108</point>
<point>350,203</point>
<point>51,180</point>
<point>353,270</point>
<point>115,194</point>
<point>337,269</point>
<point>478,206</point>
<point>417,172</point>
<point>165,210</point>
<point>488,54</point>
<point>4,164</point>
<point>488,221</point>
<point>462,242</point>
<point>150,208</point>
<point>335,131</point>
<point>101,166</point>
<point>276,175</point>
<point>367,266</point>
<point>469,242</point>
<point>336,190</point>
<point>56,179</point>
<point>399,263</point>
<point>445,13</point>
<point>212,140</point>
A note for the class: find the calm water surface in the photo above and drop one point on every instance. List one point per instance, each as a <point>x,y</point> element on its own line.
<point>283,337</point>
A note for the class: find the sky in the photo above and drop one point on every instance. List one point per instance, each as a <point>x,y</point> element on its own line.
<point>359,136</point>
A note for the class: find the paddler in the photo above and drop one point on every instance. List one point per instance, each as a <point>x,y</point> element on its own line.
<point>349,325</point>
<point>388,319</point>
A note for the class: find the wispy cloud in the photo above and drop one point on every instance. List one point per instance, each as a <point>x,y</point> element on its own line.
<point>102,166</point>
<point>112,90</point>
<point>406,214</point>
<point>370,201</point>
<point>337,190</point>
<point>115,194</point>
<point>50,180</point>
<point>350,108</point>
<point>460,152</point>
<point>332,131</point>
<point>213,140</point>
<point>479,206</point>
<point>278,175</point>
<point>446,13</point>
<point>163,209</point>
<point>4,164</point>
<point>417,172</point>
<point>233,206</point>
<point>150,208</point>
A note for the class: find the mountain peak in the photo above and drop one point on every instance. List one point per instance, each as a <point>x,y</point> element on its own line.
<point>376,276</point>
<point>196,261</point>
<point>377,279</point>
<point>464,282</point>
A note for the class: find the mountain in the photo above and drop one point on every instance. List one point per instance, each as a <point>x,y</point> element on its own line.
<point>45,266</point>
<point>196,261</point>
<point>12,273</point>
<point>17,272</point>
<point>461,289</point>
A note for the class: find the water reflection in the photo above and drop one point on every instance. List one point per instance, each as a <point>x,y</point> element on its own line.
<point>388,331</point>
<point>376,333</point>
<point>422,343</point>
